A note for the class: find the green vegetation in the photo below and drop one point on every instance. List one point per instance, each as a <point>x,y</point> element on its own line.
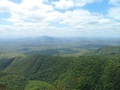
<point>4,62</point>
<point>107,50</point>
<point>99,72</point>
<point>38,85</point>
<point>60,68</point>
<point>13,82</point>
<point>53,46</point>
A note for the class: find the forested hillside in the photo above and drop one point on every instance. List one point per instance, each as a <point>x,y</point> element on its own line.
<point>109,50</point>
<point>39,72</point>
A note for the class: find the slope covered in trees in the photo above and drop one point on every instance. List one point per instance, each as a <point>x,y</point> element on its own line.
<point>97,72</point>
<point>107,50</point>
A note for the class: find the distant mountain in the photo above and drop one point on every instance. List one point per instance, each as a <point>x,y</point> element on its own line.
<point>47,45</point>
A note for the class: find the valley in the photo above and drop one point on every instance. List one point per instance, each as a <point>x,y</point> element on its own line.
<point>47,63</point>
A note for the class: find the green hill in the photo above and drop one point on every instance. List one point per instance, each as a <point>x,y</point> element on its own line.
<point>97,72</point>
<point>110,50</point>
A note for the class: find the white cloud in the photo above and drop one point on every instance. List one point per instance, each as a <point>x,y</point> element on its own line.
<point>81,3</point>
<point>28,10</point>
<point>114,13</point>
<point>67,4</point>
<point>115,2</point>
<point>104,21</point>
<point>34,17</point>
<point>6,6</point>
<point>79,18</point>
<point>63,4</point>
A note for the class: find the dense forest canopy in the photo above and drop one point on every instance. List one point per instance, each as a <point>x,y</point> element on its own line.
<point>86,66</point>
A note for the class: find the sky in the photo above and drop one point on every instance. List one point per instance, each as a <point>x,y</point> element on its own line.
<point>62,18</point>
